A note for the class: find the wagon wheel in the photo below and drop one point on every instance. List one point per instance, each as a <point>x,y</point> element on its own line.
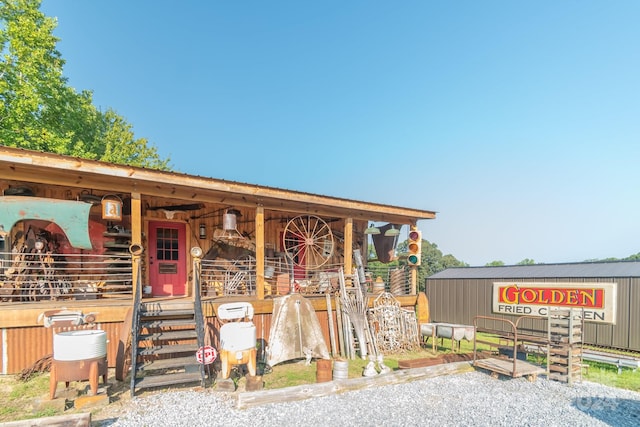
<point>308,241</point>
<point>123,357</point>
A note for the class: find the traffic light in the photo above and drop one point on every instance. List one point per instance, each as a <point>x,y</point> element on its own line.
<point>415,247</point>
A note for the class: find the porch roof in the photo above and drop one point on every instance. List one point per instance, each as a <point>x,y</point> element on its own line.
<point>47,168</point>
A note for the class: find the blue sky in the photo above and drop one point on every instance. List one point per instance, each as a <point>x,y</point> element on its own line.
<point>517,122</point>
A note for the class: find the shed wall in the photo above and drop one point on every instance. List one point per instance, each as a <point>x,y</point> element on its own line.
<point>460,300</point>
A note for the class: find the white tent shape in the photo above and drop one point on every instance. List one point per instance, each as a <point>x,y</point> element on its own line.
<point>295,331</point>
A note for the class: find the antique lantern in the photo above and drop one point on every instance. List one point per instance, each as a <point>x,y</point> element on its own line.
<point>112,207</point>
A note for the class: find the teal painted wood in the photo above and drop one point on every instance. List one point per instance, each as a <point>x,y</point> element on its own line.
<point>71,216</point>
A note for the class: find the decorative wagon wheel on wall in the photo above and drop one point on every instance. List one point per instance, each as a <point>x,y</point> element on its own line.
<point>308,241</point>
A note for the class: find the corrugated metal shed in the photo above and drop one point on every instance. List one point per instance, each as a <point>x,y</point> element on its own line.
<point>582,270</point>
<point>457,295</point>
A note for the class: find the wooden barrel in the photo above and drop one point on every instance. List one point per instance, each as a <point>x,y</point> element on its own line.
<point>340,369</point>
<point>323,371</point>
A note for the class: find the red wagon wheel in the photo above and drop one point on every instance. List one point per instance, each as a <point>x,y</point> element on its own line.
<point>308,241</point>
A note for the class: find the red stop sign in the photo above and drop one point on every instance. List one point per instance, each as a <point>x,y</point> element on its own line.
<point>206,355</point>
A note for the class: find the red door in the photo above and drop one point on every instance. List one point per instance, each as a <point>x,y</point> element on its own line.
<point>167,259</point>
<point>297,254</point>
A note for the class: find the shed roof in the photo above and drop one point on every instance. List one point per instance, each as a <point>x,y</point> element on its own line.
<point>567,270</point>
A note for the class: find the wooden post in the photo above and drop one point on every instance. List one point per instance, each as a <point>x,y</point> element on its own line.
<point>136,233</point>
<point>414,280</point>
<point>260,282</point>
<point>340,331</point>
<point>348,246</point>
<point>332,334</point>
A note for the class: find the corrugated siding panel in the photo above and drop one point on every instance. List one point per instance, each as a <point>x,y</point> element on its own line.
<point>620,331</point>
<point>20,356</point>
<point>469,302</point>
<point>634,314</point>
<point>452,300</point>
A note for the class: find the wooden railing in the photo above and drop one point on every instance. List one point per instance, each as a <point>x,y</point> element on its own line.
<point>222,277</point>
<point>44,276</point>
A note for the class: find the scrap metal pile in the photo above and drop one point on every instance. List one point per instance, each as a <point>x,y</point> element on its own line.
<point>384,329</point>
<point>33,271</point>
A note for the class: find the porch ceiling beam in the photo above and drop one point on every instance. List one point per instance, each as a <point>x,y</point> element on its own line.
<point>22,165</point>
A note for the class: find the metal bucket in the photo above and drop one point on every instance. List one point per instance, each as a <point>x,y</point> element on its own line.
<point>268,271</point>
<point>229,222</point>
<point>340,369</point>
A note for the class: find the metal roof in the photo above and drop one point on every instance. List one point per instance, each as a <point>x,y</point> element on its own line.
<point>568,270</point>
<point>55,169</point>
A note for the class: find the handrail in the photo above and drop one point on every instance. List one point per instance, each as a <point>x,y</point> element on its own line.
<point>136,252</point>
<point>196,254</point>
<point>32,276</point>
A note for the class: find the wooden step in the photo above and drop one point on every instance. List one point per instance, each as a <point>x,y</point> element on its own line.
<point>172,363</point>
<point>165,323</point>
<point>167,349</point>
<point>168,379</point>
<point>169,335</point>
<point>146,313</point>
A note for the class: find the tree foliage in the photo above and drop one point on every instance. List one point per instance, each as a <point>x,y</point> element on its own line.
<point>39,111</point>
<point>432,260</point>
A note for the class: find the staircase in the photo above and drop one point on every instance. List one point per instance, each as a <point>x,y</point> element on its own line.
<point>165,337</point>
<point>166,346</point>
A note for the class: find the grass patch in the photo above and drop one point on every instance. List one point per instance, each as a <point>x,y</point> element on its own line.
<point>36,386</point>
<point>606,374</point>
<point>17,397</point>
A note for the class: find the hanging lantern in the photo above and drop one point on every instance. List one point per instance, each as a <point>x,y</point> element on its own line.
<point>112,207</point>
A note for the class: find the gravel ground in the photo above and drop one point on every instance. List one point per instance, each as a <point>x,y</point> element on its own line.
<point>472,398</point>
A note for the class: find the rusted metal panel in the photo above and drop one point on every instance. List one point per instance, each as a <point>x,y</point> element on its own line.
<point>20,355</point>
<point>70,215</point>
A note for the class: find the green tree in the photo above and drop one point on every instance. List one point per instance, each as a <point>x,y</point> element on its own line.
<point>431,261</point>
<point>526,261</point>
<point>494,264</point>
<point>39,111</point>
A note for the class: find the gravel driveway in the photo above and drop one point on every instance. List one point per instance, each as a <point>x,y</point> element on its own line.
<point>472,398</point>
